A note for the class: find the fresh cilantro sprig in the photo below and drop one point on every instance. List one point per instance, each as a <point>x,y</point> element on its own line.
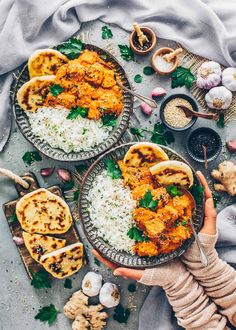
<point>47,314</point>
<point>137,235</point>
<point>126,53</point>
<point>136,131</point>
<point>197,191</point>
<point>12,219</point>
<point>174,191</point>
<point>221,121</point>
<point>40,279</point>
<point>161,135</point>
<point>77,111</point>
<point>148,202</point>
<point>109,120</point>
<point>113,169</point>
<point>56,89</point>
<point>182,77</point>
<point>138,78</point>
<point>97,262</point>
<point>121,314</point>
<point>68,283</point>
<point>148,70</point>
<point>71,48</point>
<point>68,185</point>
<point>31,156</point>
<point>106,33</point>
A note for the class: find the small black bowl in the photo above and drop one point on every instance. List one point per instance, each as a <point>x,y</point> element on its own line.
<point>207,136</point>
<point>187,98</point>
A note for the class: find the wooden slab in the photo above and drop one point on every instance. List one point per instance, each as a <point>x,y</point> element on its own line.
<point>9,208</point>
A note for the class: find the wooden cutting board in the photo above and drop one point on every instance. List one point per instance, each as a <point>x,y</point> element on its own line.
<point>9,208</point>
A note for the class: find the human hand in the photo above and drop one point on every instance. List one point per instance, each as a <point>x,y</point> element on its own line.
<point>134,274</point>
<point>209,226</point>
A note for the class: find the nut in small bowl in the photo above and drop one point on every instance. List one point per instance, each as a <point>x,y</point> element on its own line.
<point>160,65</point>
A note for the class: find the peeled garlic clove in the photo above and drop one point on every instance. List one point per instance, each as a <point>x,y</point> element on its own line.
<point>64,174</point>
<point>91,284</point>
<point>109,295</point>
<point>18,240</point>
<point>47,171</point>
<point>231,146</point>
<point>158,92</point>
<point>146,108</point>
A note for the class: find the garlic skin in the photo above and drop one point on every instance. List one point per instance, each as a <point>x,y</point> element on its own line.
<point>146,108</point>
<point>218,98</point>
<point>109,295</point>
<point>64,174</point>
<point>209,75</point>
<point>18,240</point>
<point>158,92</point>
<point>91,284</point>
<point>229,78</point>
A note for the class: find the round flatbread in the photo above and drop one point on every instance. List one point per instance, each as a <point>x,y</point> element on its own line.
<point>44,213</point>
<point>173,172</point>
<point>45,62</point>
<point>144,154</point>
<point>32,94</point>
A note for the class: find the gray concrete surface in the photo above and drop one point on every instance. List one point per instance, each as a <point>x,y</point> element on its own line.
<point>19,301</point>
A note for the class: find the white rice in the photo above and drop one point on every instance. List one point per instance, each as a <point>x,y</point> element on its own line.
<point>80,134</point>
<point>111,208</point>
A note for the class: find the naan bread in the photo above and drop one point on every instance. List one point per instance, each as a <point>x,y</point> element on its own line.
<point>173,172</point>
<point>32,94</point>
<point>45,62</point>
<point>38,245</point>
<point>144,153</point>
<point>44,213</point>
<point>64,262</point>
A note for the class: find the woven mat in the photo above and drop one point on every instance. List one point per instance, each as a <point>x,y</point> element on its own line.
<point>188,59</point>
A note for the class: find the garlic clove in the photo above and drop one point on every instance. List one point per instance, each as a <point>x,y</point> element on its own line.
<point>158,92</point>
<point>231,146</point>
<point>146,108</point>
<point>64,174</point>
<point>47,171</point>
<point>109,295</point>
<point>18,240</point>
<point>91,284</point>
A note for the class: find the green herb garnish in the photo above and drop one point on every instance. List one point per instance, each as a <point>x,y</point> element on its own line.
<point>72,48</point>
<point>216,199</point>
<point>109,120</point>
<point>197,191</point>
<point>182,77</point>
<point>161,135</point>
<point>81,167</point>
<point>113,169</point>
<point>148,202</point>
<point>136,131</point>
<point>79,111</point>
<point>138,78</point>
<point>55,90</point>
<point>137,235</point>
<point>184,223</point>
<point>31,156</point>
<point>68,185</point>
<point>97,262</point>
<point>132,287</point>
<point>121,314</point>
<point>106,33</point>
<point>126,53</point>
<point>68,283</point>
<point>103,56</point>
<point>40,279</point>
<point>47,314</point>
<point>174,191</point>
<point>12,218</point>
<point>148,70</point>
<point>221,121</point>
<point>76,195</point>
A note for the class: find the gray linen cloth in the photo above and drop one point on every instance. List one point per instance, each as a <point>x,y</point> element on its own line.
<point>205,27</point>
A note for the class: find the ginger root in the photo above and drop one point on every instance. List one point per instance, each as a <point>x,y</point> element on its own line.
<point>226,175</point>
<point>86,317</point>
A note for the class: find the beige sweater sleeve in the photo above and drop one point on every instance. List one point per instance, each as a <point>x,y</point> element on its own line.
<point>218,278</point>
<point>193,309</point>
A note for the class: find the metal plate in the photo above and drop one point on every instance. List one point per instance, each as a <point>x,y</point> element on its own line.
<point>56,153</point>
<point>124,258</point>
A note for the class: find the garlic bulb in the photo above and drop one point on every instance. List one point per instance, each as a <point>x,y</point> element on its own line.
<point>209,75</point>
<point>91,284</point>
<point>218,98</point>
<point>229,79</point>
<point>109,295</point>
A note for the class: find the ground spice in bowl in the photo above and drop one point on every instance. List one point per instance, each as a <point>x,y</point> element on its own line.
<point>175,116</point>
